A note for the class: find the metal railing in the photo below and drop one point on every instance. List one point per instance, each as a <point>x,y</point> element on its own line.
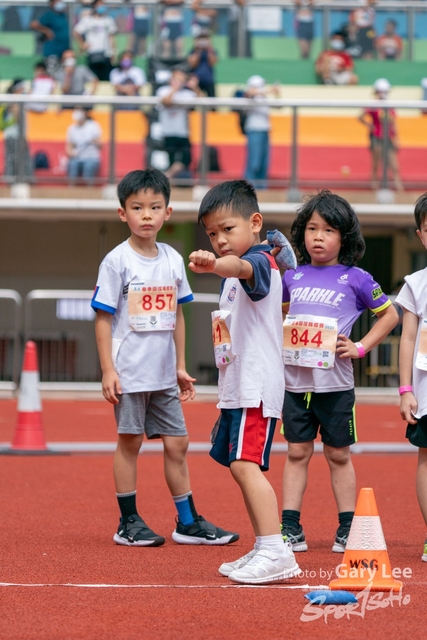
<point>10,332</point>
<point>204,106</point>
<point>68,356</point>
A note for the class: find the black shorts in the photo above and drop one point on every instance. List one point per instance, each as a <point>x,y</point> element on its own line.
<point>178,149</point>
<point>417,433</point>
<point>332,414</point>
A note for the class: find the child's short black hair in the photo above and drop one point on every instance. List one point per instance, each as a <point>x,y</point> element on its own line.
<point>139,180</point>
<point>420,211</point>
<point>237,195</point>
<point>40,65</point>
<point>340,215</point>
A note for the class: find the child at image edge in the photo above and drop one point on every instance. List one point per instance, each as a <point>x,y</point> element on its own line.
<point>413,361</point>
<point>323,298</point>
<point>140,336</point>
<point>247,333</point>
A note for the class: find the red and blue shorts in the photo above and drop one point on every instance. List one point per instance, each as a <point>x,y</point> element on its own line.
<point>243,434</point>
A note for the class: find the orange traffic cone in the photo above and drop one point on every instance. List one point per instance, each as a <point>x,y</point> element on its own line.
<point>29,436</point>
<point>366,562</point>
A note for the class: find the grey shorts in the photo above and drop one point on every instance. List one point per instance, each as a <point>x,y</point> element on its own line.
<point>155,413</point>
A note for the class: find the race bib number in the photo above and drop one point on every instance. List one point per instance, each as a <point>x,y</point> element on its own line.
<point>221,338</point>
<point>421,359</point>
<point>152,305</point>
<point>309,341</point>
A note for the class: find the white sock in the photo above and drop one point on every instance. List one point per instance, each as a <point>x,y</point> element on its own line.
<point>257,543</point>
<point>273,543</point>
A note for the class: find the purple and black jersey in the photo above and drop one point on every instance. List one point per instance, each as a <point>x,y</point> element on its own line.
<point>339,292</point>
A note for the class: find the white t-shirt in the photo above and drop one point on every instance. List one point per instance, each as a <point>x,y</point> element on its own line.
<point>144,360</point>
<point>83,139</point>
<point>258,118</point>
<point>134,75</point>
<point>41,86</point>
<point>256,373</point>
<point>413,297</point>
<point>96,31</point>
<point>174,120</point>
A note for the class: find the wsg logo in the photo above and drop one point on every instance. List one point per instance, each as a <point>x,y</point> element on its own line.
<point>364,564</point>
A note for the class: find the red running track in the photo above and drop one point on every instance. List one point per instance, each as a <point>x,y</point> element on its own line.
<point>59,515</point>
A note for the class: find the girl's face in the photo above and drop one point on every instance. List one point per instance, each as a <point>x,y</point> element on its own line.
<point>322,242</point>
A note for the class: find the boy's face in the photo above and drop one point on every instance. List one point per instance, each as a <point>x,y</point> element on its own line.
<point>145,213</point>
<point>231,234</point>
<point>422,232</point>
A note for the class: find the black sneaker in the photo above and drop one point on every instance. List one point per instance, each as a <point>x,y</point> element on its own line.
<point>135,533</point>
<point>341,538</point>
<point>202,532</point>
<point>295,536</point>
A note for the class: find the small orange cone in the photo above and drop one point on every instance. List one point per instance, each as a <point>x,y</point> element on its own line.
<point>29,436</point>
<point>366,562</point>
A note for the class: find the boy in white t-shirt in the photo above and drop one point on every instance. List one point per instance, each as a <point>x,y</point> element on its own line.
<point>247,334</point>
<point>413,361</point>
<point>140,335</point>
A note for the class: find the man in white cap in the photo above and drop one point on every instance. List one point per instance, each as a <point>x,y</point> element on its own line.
<point>374,119</point>
<point>257,127</point>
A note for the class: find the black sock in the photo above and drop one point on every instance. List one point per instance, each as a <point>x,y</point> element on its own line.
<point>127,504</point>
<point>345,518</point>
<point>192,507</point>
<point>291,518</point>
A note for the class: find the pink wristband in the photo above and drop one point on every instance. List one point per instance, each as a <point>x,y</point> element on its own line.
<point>406,389</point>
<point>361,349</point>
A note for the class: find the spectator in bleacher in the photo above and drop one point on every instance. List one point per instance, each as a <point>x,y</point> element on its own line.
<point>54,30</point>
<point>172,28</point>
<point>75,79</point>
<point>334,65</point>
<point>364,20</point>
<point>304,25</point>
<point>10,125</point>
<point>374,119</point>
<point>139,26</point>
<point>174,121</point>
<point>83,146</point>
<point>257,131</point>
<point>95,35</point>
<point>202,60</point>
<point>389,45</point>
<point>127,79</point>
<point>42,85</point>
<point>203,18</point>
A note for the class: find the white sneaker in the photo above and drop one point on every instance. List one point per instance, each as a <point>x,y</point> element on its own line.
<point>266,566</point>
<point>227,567</point>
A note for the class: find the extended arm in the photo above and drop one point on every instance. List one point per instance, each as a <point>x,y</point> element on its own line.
<point>226,267</point>
<point>408,402</point>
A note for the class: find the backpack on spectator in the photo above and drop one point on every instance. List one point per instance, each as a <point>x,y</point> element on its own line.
<point>240,93</point>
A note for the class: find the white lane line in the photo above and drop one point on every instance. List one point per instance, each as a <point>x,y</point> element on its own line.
<point>200,447</point>
<point>165,586</point>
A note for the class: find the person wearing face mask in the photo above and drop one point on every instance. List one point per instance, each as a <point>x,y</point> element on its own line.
<point>334,65</point>
<point>374,120</point>
<point>53,28</point>
<point>95,36</point>
<point>127,79</point>
<point>75,79</point>
<point>83,146</point>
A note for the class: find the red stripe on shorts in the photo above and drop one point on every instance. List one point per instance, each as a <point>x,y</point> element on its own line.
<point>253,435</point>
